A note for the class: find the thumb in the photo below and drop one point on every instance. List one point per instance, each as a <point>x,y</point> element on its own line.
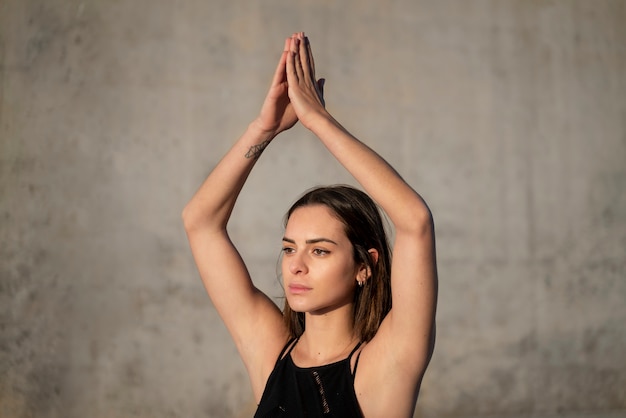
<point>320,88</point>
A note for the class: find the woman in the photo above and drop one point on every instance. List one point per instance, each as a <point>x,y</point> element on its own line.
<point>336,270</point>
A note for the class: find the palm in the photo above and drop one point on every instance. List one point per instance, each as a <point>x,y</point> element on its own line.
<point>277,113</point>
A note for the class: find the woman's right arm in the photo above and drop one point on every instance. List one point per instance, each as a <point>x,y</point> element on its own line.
<point>253,320</point>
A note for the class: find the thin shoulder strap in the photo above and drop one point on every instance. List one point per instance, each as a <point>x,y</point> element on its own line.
<point>358,356</point>
<point>287,348</point>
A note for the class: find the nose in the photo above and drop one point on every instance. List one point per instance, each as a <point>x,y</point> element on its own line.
<point>297,264</point>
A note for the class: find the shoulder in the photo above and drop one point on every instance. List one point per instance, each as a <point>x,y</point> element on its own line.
<point>387,380</point>
<point>261,357</point>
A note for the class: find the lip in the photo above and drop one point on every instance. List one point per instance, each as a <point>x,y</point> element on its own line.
<point>298,289</point>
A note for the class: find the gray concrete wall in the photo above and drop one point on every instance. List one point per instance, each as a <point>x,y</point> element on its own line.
<point>508,116</point>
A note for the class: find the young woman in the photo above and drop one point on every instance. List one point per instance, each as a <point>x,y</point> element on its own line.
<point>347,304</point>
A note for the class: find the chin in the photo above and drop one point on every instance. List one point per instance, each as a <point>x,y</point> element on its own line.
<point>298,307</point>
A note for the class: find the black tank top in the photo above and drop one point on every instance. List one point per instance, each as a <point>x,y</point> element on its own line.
<point>298,392</point>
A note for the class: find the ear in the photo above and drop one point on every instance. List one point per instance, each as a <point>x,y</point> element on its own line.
<point>365,272</point>
<point>373,252</point>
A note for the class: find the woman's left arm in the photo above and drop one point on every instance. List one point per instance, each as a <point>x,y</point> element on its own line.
<point>409,329</point>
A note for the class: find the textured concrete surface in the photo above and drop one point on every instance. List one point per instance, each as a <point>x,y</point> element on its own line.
<point>508,116</point>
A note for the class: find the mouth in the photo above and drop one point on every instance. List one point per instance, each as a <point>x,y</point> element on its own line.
<point>298,289</point>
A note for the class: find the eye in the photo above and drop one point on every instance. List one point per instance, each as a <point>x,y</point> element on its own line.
<point>288,250</point>
<point>319,251</point>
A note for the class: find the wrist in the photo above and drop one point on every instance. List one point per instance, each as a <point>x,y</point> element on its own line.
<point>318,121</point>
<point>256,130</point>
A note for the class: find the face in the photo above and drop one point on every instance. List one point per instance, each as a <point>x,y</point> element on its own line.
<point>319,272</point>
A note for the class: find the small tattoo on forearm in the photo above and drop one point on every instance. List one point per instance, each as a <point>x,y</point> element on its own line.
<point>255,151</point>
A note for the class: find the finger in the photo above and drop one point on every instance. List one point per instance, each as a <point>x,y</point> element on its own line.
<point>320,90</point>
<point>292,76</point>
<point>305,58</point>
<point>311,59</point>
<point>279,74</point>
<point>296,48</point>
<point>320,85</point>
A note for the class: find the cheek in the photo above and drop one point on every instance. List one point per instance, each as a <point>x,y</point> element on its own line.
<point>284,267</point>
<point>346,272</point>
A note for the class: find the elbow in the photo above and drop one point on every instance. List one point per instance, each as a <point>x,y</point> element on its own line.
<point>195,218</point>
<point>419,221</point>
<point>191,219</point>
<point>187,218</point>
<point>425,221</point>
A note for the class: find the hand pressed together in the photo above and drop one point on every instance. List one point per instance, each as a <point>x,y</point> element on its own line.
<point>305,92</point>
<point>277,113</point>
<point>294,93</point>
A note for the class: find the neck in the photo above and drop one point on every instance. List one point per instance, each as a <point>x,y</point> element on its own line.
<point>328,337</point>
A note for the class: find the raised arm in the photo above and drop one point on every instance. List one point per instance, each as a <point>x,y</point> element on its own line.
<point>407,333</point>
<point>252,319</point>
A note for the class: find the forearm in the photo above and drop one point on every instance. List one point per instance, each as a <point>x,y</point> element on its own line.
<point>213,203</point>
<point>404,206</point>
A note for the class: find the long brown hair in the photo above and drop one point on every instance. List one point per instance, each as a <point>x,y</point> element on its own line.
<point>363,225</point>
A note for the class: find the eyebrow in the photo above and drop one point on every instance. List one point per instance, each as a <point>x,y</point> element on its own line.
<point>311,241</point>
